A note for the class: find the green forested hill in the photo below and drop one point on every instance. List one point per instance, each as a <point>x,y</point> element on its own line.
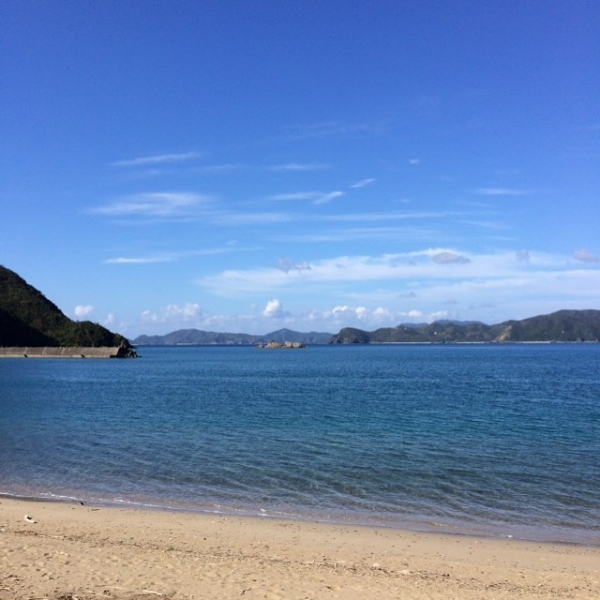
<point>28,318</point>
<point>561,326</point>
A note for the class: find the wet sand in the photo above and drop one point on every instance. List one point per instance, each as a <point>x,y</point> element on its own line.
<point>88,553</point>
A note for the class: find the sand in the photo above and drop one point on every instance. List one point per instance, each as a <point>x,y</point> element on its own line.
<point>82,552</point>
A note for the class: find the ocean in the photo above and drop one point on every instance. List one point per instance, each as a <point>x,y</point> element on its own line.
<point>490,440</point>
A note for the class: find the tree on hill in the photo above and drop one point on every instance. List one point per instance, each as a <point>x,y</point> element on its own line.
<point>28,318</point>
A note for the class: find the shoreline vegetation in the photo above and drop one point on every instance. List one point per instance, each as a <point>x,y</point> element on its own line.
<point>58,550</point>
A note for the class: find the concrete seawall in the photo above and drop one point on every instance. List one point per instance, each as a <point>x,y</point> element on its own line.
<point>67,352</point>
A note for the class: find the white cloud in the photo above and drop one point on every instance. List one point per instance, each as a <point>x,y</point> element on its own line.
<point>343,312</point>
<point>414,161</point>
<point>313,197</point>
<point>326,198</point>
<point>492,191</point>
<point>299,167</point>
<point>82,311</point>
<point>170,256</point>
<point>122,260</point>
<point>154,204</point>
<point>296,196</point>
<point>484,224</point>
<point>110,320</point>
<point>426,266</point>
<point>159,159</point>
<point>173,313</point>
<point>362,183</point>
<point>273,310</point>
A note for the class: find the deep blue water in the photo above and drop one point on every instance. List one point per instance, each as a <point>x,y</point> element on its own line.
<point>485,439</point>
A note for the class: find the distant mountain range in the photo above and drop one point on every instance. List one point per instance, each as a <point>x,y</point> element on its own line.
<point>561,326</point>
<point>28,318</point>
<point>198,337</point>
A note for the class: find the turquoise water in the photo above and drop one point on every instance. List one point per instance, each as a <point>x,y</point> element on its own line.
<point>482,439</point>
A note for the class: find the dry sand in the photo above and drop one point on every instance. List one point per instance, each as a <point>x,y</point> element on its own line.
<point>81,552</point>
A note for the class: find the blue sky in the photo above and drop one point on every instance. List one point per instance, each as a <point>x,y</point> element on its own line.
<point>244,166</point>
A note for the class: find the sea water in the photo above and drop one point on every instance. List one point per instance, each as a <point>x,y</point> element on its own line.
<point>496,440</point>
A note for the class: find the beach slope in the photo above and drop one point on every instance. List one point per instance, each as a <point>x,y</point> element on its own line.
<point>70,551</point>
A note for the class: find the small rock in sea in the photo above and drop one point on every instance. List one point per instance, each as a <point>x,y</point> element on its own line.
<point>29,519</point>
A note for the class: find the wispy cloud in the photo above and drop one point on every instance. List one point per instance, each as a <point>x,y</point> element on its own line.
<point>124,260</point>
<point>313,197</point>
<point>153,204</point>
<point>493,191</point>
<point>190,312</point>
<point>392,216</point>
<point>431,264</point>
<point>222,168</point>
<point>421,234</point>
<point>343,268</point>
<point>239,218</point>
<point>363,183</point>
<point>327,198</point>
<point>299,167</point>
<point>159,159</point>
<point>169,256</point>
<point>295,196</point>
<point>336,128</point>
<point>429,288</point>
<point>484,224</point>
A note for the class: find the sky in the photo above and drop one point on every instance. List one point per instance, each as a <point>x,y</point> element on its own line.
<point>245,166</point>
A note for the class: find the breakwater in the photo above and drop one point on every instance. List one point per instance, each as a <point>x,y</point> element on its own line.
<point>63,352</point>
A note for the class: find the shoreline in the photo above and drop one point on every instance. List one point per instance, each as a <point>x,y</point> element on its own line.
<point>126,553</point>
<point>409,523</point>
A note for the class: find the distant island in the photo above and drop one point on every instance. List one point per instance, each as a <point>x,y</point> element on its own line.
<point>28,318</point>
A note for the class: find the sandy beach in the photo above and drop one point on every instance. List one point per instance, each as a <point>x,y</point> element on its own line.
<point>72,551</point>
